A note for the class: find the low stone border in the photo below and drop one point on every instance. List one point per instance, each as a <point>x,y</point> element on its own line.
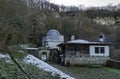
<point>113,63</point>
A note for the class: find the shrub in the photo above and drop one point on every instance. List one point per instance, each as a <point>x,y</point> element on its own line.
<point>115,54</point>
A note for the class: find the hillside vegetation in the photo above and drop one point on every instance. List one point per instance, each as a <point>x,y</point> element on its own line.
<point>27,21</point>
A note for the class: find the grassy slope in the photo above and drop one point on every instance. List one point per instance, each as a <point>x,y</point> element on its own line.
<point>11,71</point>
<point>90,72</point>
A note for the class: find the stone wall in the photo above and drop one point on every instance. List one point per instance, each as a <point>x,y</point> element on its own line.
<point>86,60</point>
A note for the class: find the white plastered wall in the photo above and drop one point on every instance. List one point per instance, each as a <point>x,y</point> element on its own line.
<point>54,44</point>
<point>92,51</point>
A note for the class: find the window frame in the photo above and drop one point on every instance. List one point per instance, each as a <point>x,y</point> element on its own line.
<point>99,50</point>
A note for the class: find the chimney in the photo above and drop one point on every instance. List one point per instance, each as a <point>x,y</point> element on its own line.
<point>101,38</point>
<point>72,37</point>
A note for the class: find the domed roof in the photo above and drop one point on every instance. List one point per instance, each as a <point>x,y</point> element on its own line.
<point>53,32</point>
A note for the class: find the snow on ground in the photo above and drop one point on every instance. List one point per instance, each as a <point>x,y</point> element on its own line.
<point>6,56</point>
<point>80,41</point>
<point>42,65</point>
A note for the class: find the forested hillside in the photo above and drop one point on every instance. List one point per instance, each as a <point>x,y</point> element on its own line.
<point>27,21</point>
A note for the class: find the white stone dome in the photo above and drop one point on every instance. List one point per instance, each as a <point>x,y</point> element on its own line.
<point>53,33</point>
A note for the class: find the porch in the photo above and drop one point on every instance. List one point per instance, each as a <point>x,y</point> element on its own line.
<point>77,51</point>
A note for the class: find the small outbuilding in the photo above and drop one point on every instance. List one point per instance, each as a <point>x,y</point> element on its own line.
<point>33,51</point>
<point>84,52</point>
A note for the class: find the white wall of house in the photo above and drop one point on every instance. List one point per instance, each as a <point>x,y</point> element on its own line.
<point>92,51</point>
<point>53,44</point>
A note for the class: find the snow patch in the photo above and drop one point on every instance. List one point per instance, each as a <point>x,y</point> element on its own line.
<point>6,57</point>
<point>42,65</point>
<point>80,41</point>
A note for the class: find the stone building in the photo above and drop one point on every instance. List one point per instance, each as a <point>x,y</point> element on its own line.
<point>84,52</point>
<point>52,39</point>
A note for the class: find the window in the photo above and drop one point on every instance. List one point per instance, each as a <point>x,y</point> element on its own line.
<point>96,49</point>
<point>102,50</point>
<point>99,50</point>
